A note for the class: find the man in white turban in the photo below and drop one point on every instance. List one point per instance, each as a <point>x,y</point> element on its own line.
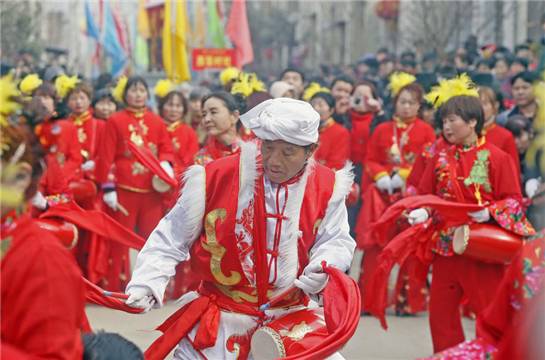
<point>253,225</point>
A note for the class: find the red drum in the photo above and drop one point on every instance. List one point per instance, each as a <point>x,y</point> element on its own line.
<point>84,191</point>
<point>487,243</point>
<point>66,232</point>
<point>289,335</point>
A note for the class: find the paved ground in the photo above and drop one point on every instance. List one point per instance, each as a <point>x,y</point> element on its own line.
<point>406,338</point>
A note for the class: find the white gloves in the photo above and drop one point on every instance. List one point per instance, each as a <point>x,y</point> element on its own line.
<point>141,298</point>
<point>531,187</point>
<point>480,216</point>
<point>397,182</point>
<point>418,216</point>
<point>313,280</point>
<point>88,165</point>
<point>385,184</point>
<point>39,201</point>
<point>168,169</point>
<point>110,199</point>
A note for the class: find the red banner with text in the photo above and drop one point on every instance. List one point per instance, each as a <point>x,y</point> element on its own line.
<point>212,59</point>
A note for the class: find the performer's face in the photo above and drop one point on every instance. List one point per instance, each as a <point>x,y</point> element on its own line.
<point>216,117</point>
<point>282,160</point>
<point>407,106</point>
<point>173,109</point>
<point>321,106</point>
<point>105,108</point>
<point>457,131</point>
<point>136,96</point>
<point>78,102</point>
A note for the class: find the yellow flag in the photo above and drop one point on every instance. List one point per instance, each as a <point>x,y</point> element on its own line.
<point>175,59</point>
<point>198,37</point>
<point>143,21</point>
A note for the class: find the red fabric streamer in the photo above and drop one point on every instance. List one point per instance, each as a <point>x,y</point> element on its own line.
<point>95,295</point>
<point>146,158</point>
<point>97,222</point>
<point>342,315</point>
<point>414,240</point>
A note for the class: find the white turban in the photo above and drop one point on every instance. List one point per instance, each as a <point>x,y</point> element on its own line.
<point>293,121</point>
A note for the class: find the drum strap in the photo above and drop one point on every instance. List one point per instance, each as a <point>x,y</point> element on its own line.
<point>454,178</point>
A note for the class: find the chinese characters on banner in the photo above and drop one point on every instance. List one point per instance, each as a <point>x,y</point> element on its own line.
<point>212,59</point>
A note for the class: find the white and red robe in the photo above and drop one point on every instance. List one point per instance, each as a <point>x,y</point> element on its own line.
<point>248,239</point>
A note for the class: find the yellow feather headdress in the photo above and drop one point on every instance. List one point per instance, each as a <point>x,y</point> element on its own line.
<point>119,89</point>
<point>164,87</point>
<point>8,93</point>
<point>30,83</point>
<point>398,80</point>
<point>64,83</point>
<point>458,86</point>
<point>229,74</point>
<point>539,125</point>
<point>246,84</point>
<point>312,90</point>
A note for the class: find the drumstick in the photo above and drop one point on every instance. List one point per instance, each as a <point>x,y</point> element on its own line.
<point>277,298</point>
<point>116,295</point>
<point>122,209</point>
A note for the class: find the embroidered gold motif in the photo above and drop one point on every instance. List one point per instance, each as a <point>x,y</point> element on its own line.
<point>138,168</point>
<point>4,246</point>
<point>216,250</point>
<point>143,126</point>
<point>135,136</point>
<point>316,226</point>
<point>298,332</point>
<point>176,144</point>
<point>82,136</point>
<point>237,295</point>
<point>153,149</point>
<point>61,159</point>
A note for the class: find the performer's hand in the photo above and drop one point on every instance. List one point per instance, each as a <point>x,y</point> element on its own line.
<point>110,199</point>
<point>313,279</point>
<point>39,201</point>
<point>385,184</point>
<point>141,298</point>
<point>88,165</point>
<point>397,181</point>
<point>480,216</point>
<point>418,216</point>
<point>531,187</point>
<point>168,169</point>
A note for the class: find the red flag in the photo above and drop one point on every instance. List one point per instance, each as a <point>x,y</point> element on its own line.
<point>238,31</point>
<point>146,158</point>
<point>95,295</point>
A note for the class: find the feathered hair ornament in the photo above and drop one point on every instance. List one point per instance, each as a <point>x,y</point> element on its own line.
<point>312,90</point>
<point>538,144</point>
<point>30,83</point>
<point>64,83</point>
<point>447,89</point>
<point>398,80</point>
<point>119,89</point>
<point>229,74</point>
<point>246,84</point>
<point>8,97</point>
<point>164,87</point>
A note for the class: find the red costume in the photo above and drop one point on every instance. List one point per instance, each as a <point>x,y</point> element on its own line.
<point>334,145</point>
<point>42,294</point>
<point>186,144</point>
<point>502,138</point>
<point>68,149</point>
<point>133,181</point>
<point>478,173</point>
<point>393,148</point>
<point>90,133</point>
<point>360,134</point>
<point>185,279</point>
<point>520,287</point>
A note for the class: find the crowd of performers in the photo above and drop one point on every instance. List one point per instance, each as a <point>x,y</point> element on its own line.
<point>246,203</point>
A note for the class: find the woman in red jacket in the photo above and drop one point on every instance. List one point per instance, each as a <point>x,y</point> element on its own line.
<point>130,186</point>
<point>497,135</point>
<point>392,151</point>
<point>470,171</point>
